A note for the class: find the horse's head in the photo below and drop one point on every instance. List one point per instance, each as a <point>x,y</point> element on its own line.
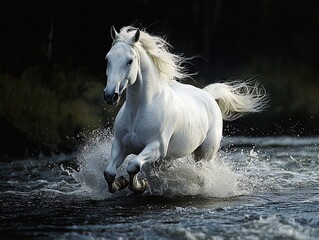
<point>122,66</point>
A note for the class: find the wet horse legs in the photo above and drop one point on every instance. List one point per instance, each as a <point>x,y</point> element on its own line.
<point>150,153</point>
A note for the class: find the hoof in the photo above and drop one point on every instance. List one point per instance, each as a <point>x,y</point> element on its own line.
<point>122,181</point>
<point>140,188</point>
<point>119,184</point>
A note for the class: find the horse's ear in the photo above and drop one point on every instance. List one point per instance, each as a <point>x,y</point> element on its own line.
<point>136,36</point>
<point>114,34</point>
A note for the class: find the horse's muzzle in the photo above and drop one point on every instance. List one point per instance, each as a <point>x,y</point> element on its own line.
<point>111,99</point>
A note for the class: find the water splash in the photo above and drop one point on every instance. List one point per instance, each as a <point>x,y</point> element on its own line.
<point>273,164</point>
<point>185,177</point>
<point>166,178</point>
<point>92,158</point>
<point>247,167</point>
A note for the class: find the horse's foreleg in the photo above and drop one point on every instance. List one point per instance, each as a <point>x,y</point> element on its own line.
<point>150,153</point>
<point>117,158</point>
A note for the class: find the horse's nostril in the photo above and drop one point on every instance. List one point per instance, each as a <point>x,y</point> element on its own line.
<point>111,99</point>
<point>115,97</point>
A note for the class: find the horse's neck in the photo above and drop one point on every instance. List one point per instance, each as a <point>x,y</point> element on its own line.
<point>146,86</point>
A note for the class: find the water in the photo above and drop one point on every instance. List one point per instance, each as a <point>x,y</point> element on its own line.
<point>258,188</point>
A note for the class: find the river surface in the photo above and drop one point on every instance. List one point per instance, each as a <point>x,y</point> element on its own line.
<point>257,188</point>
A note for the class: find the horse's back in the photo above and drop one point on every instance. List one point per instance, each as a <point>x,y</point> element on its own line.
<point>195,99</point>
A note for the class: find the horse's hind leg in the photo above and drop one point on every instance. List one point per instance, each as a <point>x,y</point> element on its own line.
<point>209,148</point>
<point>117,158</point>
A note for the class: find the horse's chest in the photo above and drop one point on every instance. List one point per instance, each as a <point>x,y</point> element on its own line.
<point>138,133</point>
<point>138,130</point>
<point>132,141</point>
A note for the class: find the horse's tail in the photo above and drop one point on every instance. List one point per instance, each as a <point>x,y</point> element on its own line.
<point>238,98</point>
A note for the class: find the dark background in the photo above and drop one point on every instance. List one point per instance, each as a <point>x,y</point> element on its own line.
<point>52,63</point>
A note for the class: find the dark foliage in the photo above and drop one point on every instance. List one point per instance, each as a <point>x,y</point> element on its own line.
<point>52,62</point>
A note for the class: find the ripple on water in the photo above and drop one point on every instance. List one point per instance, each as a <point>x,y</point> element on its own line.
<point>257,188</point>
<point>248,165</point>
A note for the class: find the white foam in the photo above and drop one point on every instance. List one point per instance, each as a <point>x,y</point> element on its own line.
<point>185,177</point>
<point>174,177</point>
<point>92,159</point>
<point>279,227</point>
<point>180,233</point>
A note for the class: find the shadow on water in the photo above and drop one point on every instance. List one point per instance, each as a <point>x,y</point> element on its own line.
<point>49,214</point>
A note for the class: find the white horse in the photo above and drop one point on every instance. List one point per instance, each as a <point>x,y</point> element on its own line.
<point>163,118</point>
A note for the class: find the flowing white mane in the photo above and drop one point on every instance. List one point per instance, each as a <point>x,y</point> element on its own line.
<point>169,65</point>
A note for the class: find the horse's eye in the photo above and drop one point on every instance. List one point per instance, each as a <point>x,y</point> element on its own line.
<point>129,62</point>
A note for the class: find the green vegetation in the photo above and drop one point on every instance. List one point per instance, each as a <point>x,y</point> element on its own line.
<point>45,109</point>
<point>50,109</point>
<point>293,86</point>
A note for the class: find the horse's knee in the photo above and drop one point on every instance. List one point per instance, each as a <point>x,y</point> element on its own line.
<point>133,167</point>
